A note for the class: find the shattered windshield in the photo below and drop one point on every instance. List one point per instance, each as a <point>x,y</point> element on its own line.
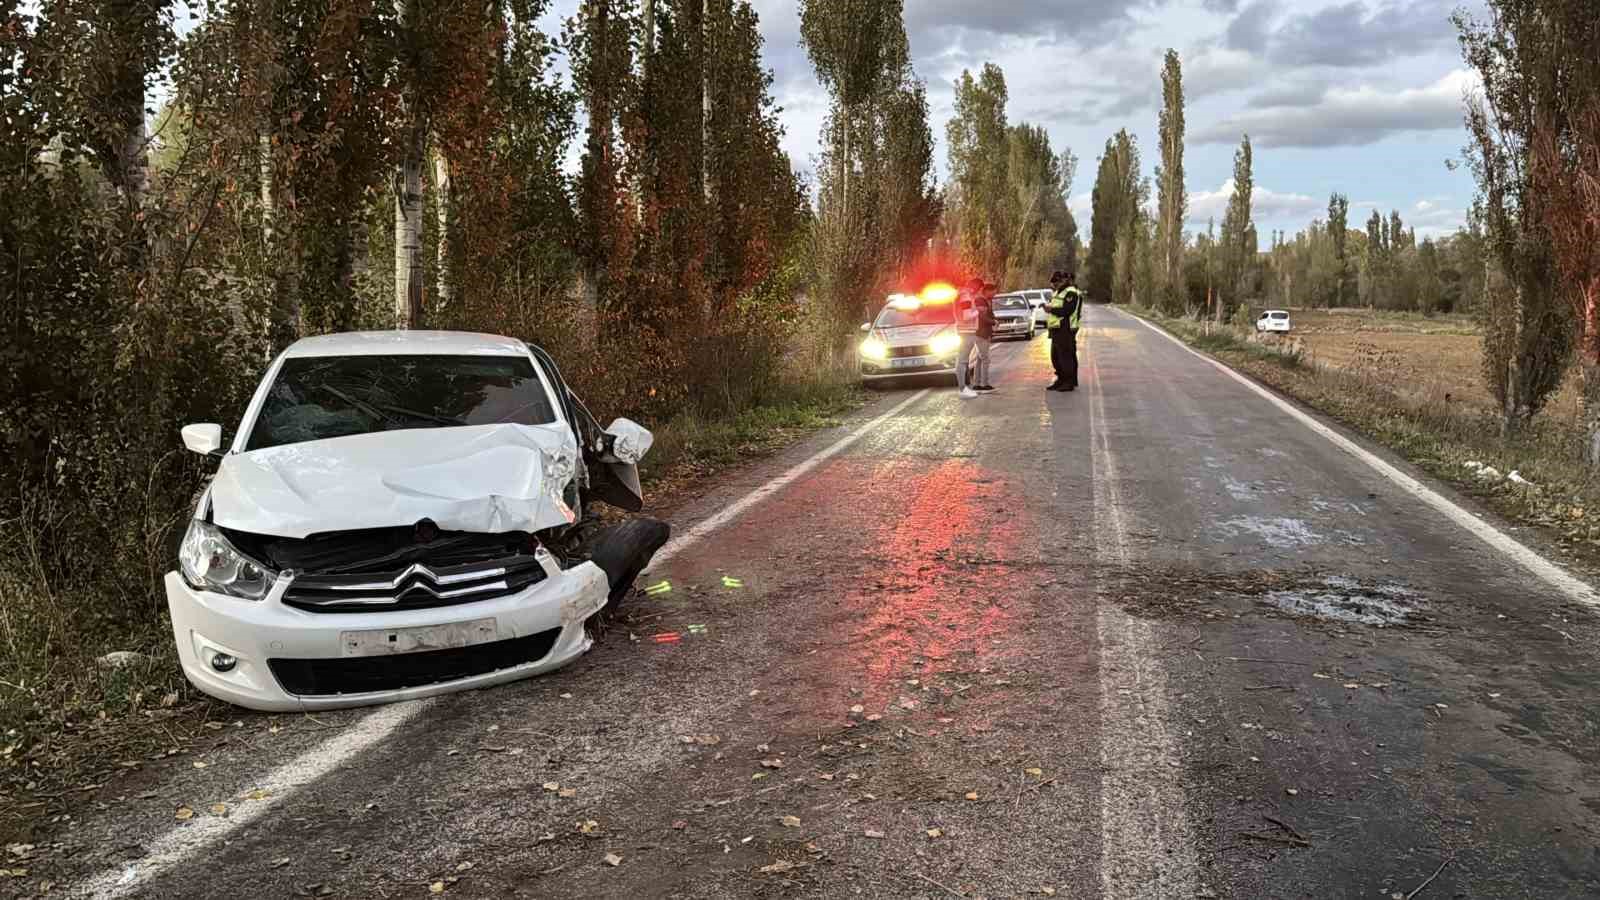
<point>322,397</point>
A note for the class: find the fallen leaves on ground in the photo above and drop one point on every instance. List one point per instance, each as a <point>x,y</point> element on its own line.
<point>972,795</point>
<point>436,888</point>
<point>183,814</point>
<point>875,835</point>
<point>935,832</point>
<point>782,865</point>
<point>258,794</point>
<point>790,821</point>
<point>773,763</point>
<point>219,809</point>
<point>588,826</point>
<point>613,860</point>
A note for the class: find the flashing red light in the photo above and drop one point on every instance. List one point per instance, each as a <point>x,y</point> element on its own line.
<point>939,292</point>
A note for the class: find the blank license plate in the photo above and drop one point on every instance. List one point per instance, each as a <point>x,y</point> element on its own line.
<point>417,640</point>
<point>910,362</point>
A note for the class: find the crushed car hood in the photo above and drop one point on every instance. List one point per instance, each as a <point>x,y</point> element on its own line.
<point>483,478</point>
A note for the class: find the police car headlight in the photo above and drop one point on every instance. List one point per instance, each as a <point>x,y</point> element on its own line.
<point>873,348</point>
<point>945,343</point>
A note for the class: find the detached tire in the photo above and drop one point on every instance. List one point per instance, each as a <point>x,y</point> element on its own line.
<point>623,552</point>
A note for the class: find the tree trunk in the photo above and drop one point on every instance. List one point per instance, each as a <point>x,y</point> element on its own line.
<point>1590,370</point>
<point>644,180</point>
<point>442,200</point>
<point>408,232</point>
<point>1515,413</point>
<point>1589,367</point>
<point>268,210</point>
<point>705,99</point>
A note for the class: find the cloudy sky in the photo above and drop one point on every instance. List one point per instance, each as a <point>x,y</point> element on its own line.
<point>1358,96</point>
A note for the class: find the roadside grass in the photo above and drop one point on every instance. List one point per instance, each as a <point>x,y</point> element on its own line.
<point>69,724</point>
<point>1439,436</point>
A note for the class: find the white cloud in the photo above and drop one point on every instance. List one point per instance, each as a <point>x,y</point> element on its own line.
<point>1350,116</point>
<point>1266,205</point>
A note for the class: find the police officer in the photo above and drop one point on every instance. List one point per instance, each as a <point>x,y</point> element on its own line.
<point>1063,315</point>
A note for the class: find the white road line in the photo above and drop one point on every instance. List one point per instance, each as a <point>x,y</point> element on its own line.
<point>205,829</point>
<point>712,523</point>
<point>1146,843</point>
<point>182,842</point>
<point>1556,577</point>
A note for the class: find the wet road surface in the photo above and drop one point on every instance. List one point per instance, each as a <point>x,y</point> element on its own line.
<point>1154,638</point>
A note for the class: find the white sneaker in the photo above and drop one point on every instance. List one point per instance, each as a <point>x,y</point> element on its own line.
<point>968,394</point>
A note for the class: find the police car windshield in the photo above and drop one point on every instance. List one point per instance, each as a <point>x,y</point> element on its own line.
<point>925,314</point>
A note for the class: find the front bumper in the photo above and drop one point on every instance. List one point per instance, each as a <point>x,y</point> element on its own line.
<point>884,370</point>
<point>258,632</point>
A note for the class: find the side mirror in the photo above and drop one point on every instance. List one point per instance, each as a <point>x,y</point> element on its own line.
<point>205,439</point>
<point>865,327</point>
<point>630,440</point>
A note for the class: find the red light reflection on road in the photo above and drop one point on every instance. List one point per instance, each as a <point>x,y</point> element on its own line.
<point>944,558</point>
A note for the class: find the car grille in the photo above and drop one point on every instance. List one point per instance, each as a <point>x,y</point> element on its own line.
<point>414,587</point>
<point>393,672</point>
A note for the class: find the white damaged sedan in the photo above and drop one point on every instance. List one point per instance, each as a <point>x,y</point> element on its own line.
<point>403,514</point>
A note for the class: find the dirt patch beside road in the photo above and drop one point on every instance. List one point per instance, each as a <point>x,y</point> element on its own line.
<point>1437,360</point>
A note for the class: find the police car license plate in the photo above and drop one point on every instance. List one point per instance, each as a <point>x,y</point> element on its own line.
<point>910,362</point>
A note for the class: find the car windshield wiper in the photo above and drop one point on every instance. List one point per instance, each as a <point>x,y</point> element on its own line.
<point>419,414</point>
<point>387,411</point>
<point>371,409</point>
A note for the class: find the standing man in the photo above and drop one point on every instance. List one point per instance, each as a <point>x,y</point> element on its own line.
<point>967,329</point>
<point>1063,315</point>
<point>985,338</point>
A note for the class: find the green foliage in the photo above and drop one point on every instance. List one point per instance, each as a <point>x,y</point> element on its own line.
<point>1238,243</point>
<point>1172,200</point>
<point>1529,331</point>
<point>980,208</point>
<point>877,206</point>
<point>1118,197</point>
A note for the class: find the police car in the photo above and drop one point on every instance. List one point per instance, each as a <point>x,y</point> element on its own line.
<point>912,335</point>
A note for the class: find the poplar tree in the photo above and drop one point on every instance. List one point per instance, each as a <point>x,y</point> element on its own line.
<point>1238,244</point>
<point>1172,201</point>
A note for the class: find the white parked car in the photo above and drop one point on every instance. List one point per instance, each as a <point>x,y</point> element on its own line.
<point>1273,320</point>
<point>402,514</point>
<point>1037,299</point>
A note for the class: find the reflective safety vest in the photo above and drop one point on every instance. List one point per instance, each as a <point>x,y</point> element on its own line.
<point>1066,303</point>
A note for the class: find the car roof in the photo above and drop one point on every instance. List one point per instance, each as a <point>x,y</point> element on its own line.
<point>1266,312</point>
<point>407,343</point>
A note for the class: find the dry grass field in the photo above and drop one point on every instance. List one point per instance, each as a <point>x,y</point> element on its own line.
<point>1427,358</point>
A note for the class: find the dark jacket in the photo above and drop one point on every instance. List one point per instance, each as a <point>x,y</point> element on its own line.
<point>986,317</point>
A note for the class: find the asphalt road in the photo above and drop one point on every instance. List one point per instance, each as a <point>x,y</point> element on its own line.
<point>1155,638</point>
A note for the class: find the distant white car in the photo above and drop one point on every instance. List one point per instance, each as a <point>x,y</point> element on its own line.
<point>1037,298</point>
<point>1273,320</point>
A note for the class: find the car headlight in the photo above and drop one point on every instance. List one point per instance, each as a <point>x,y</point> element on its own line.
<point>208,562</point>
<point>873,348</point>
<point>945,343</point>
